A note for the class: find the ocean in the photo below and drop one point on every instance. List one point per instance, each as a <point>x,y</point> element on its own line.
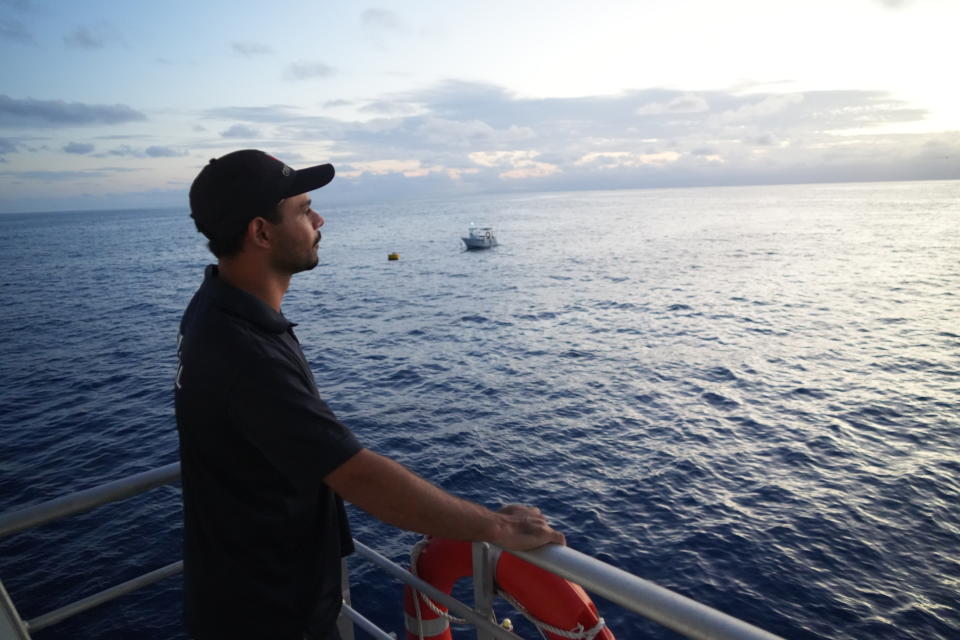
<point>748,395</point>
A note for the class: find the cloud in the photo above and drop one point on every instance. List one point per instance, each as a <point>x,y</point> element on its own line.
<point>763,107</point>
<point>329,104</point>
<point>240,131</point>
<point>622,159</point>
<point>461,137</point>
<point>383,167</point>
<point>18,5</point>
<point>687,103</point>
<point>127,151</point>
<point>388,107</point>
<point>79,148</point>
<point>125,136</point>
<point>515,165</point>
<point>163,152</point>
<point>458,98</point>
<point>66,175</point>
<point>271,114</point>
<point>287,123</point>
<point>473,134</point>
<point>57,113</point>
<point>405,168</point>
<point>251,49</point>
<point>92,38</point>
<point>601,120</point>
<point>894,4</point>
<point>121,151</point>
<point>485,138</point>
<point>308,70</point>
<point>380,19</point>
<point>83,38</point>
<point>8,146</point>
<point>14,31</point>
<point>762,140</point>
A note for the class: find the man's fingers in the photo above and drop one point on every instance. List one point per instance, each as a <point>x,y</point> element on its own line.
<point>536,521</point>
<point>519,509</point>
<point>531,528</point>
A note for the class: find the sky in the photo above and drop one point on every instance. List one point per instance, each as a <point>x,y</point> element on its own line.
<point>119,103</point>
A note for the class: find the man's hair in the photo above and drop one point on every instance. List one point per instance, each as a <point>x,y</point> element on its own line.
<point>229,239</point>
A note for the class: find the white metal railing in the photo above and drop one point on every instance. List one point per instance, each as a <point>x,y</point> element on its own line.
<point>80,501</point>
<point>11,625</point>
<point>677,612</point>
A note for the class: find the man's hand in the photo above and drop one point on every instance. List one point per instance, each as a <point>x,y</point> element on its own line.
<point>524,528</point>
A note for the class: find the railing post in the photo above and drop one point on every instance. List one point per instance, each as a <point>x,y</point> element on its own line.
<point>345,624</point>
<point>11,626</point>
<point>483,585</point>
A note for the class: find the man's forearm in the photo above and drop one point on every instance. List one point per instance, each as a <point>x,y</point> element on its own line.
<point>396,495</point>
<point>392,493</point>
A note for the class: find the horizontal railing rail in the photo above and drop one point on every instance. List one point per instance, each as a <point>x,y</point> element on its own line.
<point>679,613</point>
<point>58,615</point>
<point>87,499</point>
<point>369,627</point>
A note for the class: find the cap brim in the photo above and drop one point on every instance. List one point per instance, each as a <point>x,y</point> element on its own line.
<point>309,179</point>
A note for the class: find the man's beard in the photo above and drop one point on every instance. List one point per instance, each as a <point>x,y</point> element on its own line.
<point>292,261</point>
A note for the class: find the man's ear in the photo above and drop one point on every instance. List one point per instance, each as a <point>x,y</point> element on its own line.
<point>259,232</point>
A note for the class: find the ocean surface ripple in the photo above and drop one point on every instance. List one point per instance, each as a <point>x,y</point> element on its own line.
<point>747,395</point>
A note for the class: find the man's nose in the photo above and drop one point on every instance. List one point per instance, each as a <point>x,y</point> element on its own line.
<point>318,222</point>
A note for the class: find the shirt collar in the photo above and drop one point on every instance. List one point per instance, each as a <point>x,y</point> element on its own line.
<point>242,303</point>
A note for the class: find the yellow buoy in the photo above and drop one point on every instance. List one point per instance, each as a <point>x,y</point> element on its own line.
<point>393,256</point>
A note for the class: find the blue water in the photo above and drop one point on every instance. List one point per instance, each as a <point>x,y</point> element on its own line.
<point>748,395</point>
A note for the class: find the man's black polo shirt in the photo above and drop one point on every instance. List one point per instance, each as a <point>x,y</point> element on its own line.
<point>263,535</point>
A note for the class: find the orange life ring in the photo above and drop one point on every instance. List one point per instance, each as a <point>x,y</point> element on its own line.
<point>545,597</point>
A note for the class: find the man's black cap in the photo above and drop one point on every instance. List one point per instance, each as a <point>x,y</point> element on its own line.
<point>234,189</point>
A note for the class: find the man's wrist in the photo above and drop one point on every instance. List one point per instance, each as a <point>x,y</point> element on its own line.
<point>499,526</point>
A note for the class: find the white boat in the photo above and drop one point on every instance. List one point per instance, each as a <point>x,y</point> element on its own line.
<point>480,238</point>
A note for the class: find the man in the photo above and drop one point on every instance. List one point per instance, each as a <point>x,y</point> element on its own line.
<point>264,460</point>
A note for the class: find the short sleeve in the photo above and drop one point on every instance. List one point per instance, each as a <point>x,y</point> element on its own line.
<point>282,415</point>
